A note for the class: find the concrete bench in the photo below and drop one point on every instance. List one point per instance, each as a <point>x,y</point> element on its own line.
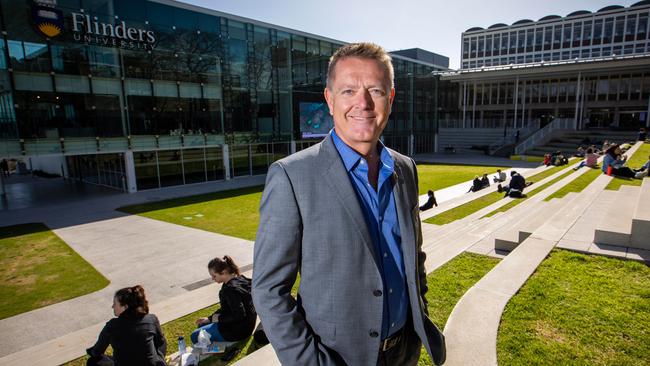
<point>640,237</point>
<point>509,238</point>
<point>615,228</point>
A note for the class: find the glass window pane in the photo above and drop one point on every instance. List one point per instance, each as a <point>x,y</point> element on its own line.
<point>214,162</point>
<point>239,162</point>
<point>194,165</point>
<point>171,170</point>
<point>146,172</point>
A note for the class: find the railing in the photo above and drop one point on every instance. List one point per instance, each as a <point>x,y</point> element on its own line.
<point>544,134</point>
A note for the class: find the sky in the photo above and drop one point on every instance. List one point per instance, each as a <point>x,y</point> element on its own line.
<point>431,25</point>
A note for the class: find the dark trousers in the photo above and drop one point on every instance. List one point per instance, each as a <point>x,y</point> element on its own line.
<point>404,353</point>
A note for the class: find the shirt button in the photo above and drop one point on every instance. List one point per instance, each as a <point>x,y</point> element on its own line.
<point>390,290</point>
<point>385,255</point>
<point>381,218</point>
<point>392,325</point>
<point>377,293</point>
<point>373,334</point>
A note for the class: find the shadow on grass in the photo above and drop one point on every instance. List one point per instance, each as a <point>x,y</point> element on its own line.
<point>22,229</point>
<point>183,201</point>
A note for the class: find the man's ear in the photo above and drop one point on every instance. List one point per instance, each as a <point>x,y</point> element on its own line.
<point>329,99</point>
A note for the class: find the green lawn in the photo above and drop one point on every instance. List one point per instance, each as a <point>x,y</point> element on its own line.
<point>233,212</point>
<point>534,191</point>
<point>579,309</point>
<point>578,184</point>
<point>635,161</point>
<point>437,176</point>
<point>470,207</point>
<point>38,269</point>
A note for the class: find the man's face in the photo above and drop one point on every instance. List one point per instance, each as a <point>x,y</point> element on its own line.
<point>359,99</point>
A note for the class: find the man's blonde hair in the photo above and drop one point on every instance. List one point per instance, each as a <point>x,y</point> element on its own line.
<point>365,50</point>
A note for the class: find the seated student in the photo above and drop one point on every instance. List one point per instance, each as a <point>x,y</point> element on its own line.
<point>516,186</point>
<point>476,185</point>
<point>614,162</point>
<point>591,159</point>
<point>235,320</point>
<point>642,134</point>
<point>559,158</point>
<point>580,152</point>
<point>431,201</point>
<point>500,177</point>
<point>547,159</point>
<point>643,170</point>
<point>135,335</point>
<point>485,181</point>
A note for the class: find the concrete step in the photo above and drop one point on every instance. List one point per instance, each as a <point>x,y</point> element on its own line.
<point>640,237</point>
<point>509,238</point>
<point>616,226</point>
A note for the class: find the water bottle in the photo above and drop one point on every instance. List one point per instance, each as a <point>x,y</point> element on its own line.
<point>181,345</point>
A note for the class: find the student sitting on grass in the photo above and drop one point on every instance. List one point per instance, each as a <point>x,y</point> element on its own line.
<point>614,161</point>
<point>235,320</point>
<point>476,185</point>
<point>431,201</point>
<point>516,187</point>
<point>485,181</point>
<point>547,160</point>
<point>500,177</point>
<point>135,335</point>
<point>591,159</point>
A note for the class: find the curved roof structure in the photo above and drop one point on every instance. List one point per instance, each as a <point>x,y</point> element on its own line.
<point>523,21</point>
<point>579,12</point>
<point>499,25</point>
<point>611,7</point>
<point>641,3</point>
<point>474,29</point>
<point>549,17</point>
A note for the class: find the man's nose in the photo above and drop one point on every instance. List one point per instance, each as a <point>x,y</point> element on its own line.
<point>364,100</point>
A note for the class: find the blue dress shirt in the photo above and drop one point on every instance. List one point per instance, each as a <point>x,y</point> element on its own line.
<point>381,216</point>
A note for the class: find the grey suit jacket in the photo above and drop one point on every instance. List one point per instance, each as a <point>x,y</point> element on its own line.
<point>311,223</point>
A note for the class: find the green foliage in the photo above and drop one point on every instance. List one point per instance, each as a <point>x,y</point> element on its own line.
<point>38,269</point>
<point>438,176</point>
<point>233,212</point>
<point>579,309</point>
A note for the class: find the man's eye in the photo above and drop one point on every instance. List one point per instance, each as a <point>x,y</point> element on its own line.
<point>346,91</point>
<point>377,92</point>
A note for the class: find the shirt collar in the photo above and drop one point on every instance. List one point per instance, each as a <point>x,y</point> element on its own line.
<point>351,158</point>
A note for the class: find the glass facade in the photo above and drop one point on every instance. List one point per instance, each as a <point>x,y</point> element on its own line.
<point>621,31</point>
<point>173,83</point>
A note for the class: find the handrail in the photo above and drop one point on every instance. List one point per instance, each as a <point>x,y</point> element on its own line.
<point>544,134</point>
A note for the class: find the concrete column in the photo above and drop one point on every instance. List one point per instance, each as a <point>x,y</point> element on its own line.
<point>464,102</point>
<point>129,171</point>
<point>293,147</point>
<point>576,116</point>
<point>226,161</point>
<point>647,115</point>
<point>516,100</point>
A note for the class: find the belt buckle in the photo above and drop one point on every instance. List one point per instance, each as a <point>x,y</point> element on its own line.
<point>389,343</point>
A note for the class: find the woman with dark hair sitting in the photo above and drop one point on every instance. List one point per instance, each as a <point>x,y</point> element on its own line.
<point>614,161</point>
<point>135,335</point>
<point>235,320</point>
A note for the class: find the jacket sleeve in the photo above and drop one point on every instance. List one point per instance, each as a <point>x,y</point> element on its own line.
<point>276,261</point>
<point>103,341</point>
<point>159,340</point>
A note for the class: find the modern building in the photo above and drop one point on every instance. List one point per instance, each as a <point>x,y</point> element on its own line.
<point>142,94</point>
<point>612,30</point>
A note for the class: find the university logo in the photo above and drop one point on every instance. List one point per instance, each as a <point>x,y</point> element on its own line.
<point>47,20</point>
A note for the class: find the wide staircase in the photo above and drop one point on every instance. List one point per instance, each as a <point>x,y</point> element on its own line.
<point>569,141</point>
<point>469,140</point>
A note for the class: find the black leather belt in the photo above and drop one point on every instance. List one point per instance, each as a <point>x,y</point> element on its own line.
<point>391,341</point>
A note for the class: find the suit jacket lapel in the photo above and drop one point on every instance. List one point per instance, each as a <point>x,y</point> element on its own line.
<point>404,216</point>
<point>336,176</point>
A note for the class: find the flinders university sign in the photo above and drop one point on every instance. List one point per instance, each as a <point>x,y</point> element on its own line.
<point>86,28</point>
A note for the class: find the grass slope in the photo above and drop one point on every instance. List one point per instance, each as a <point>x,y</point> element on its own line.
<point>576,185</point>
<point>635,161</point>
<point>470,207</point>
<point>438,176</point>
<point>579,309</point>
<point>38,269</point>
<point>233,212</point>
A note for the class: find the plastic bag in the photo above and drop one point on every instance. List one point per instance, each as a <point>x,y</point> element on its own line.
<point>203,339</point>
<point>189,359</point>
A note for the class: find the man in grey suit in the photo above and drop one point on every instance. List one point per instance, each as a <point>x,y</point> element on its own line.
<point>344,215</point>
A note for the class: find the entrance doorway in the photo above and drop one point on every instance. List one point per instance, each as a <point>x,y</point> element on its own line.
<point>599,118</point>
<point>632,120</point>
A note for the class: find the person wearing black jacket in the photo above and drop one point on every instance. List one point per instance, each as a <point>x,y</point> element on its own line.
<point>135,335</point>
<point>236,318</point>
